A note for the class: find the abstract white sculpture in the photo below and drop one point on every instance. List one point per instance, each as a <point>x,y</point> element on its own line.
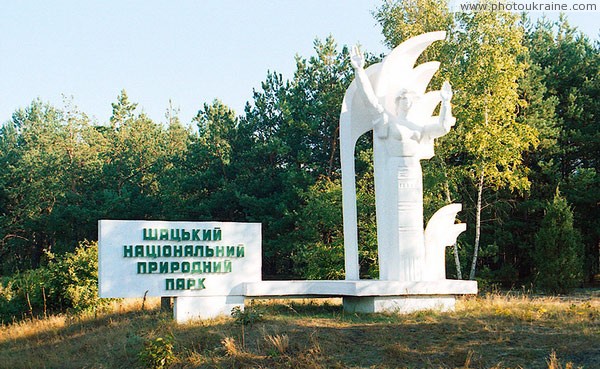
<point>390,98</point>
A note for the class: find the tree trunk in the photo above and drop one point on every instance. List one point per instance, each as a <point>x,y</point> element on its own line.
<point>457,261</point>
<point>455,246</point>
<point>332,155</point>
<point>477,226</point>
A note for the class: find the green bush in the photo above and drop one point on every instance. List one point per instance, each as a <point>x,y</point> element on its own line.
<point>157,353</point>
<point>73,278</point>
<point>67,282</point>
<point>246,316</point>
<point>23,295</point>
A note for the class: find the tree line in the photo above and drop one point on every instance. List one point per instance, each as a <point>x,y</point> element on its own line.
<point>522,158</point>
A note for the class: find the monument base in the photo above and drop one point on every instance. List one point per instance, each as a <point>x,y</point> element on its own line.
<point>363,296</point>
<point>398,304</point>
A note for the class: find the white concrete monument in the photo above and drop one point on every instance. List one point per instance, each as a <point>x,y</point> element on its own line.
<point>390,98</point>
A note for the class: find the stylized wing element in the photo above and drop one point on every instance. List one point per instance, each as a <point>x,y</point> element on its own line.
<point>394,73</point>
<point>397,70</point>
<point>441,231</point>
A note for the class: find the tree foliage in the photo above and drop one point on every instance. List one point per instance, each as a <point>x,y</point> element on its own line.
<point>492,139</point>
<point>569,64</point>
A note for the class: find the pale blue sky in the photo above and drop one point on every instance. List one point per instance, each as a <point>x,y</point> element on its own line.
<point>188,51</point>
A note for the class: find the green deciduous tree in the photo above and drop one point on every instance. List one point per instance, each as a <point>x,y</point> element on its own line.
<point>68,282</point>
<point>488,66</point>
<point>401,20</point>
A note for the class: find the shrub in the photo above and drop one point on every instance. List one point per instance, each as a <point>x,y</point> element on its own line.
<point>69,281</point>
<point>23,295</point>
<point>246,316</point>
<point>73,278</point>
<point>157,353</point>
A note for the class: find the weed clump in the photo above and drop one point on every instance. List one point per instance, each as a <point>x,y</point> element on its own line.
<point>157,353</point>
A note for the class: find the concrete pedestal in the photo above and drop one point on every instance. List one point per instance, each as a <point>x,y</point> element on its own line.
<point>397,304</point>
<point>364,296</point>
<point>372,296</point>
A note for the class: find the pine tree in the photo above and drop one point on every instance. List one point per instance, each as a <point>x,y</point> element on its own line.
<point>558,249</point>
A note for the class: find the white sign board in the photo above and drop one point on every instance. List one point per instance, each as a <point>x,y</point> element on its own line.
<point>160,258</point>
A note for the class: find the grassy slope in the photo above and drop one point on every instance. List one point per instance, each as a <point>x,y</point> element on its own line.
<point>487,332</point>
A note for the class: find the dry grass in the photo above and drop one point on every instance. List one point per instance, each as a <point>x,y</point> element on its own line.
<point>280,343</point>
<point>493,331</point>
<point>52,326</point>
